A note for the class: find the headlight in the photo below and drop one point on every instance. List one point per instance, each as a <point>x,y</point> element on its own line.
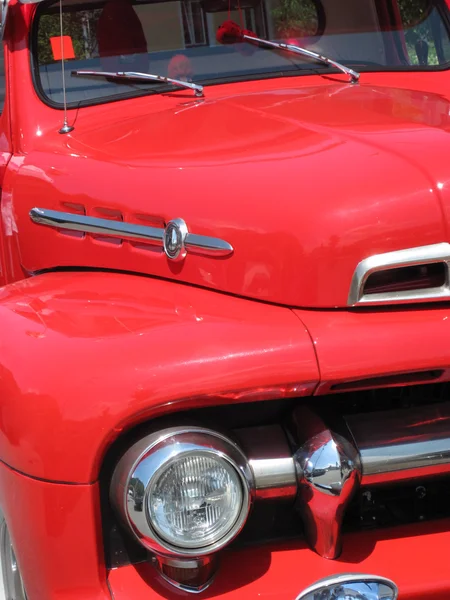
<point>196,500</point>
<point>184,491</point>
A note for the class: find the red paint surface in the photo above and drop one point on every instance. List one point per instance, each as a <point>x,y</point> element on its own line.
<point>415,557</point>
<point>364,344</point>
<point>297,237</point>
<point>137,351</point>
<point>104,352</point>
<point>56,533</point>
<point>84,357</point>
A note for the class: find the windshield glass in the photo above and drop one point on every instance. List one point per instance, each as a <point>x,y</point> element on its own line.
<point>178,39</point>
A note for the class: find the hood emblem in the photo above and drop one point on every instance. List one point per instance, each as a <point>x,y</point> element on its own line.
<point>175,235</point>
<point>351,585</point>
<point>175,238</point>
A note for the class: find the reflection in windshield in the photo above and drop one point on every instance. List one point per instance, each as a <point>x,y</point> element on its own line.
<point>177,39</point>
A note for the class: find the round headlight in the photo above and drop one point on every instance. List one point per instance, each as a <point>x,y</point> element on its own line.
<point>196,500</point>
<point>183,491</point>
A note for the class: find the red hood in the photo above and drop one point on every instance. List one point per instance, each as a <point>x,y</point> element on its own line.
<point>303,183</point>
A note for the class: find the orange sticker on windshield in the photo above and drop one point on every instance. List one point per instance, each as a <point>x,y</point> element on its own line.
<point>62,46</point>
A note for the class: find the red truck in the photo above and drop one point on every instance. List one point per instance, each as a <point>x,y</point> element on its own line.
<point>225,299</point>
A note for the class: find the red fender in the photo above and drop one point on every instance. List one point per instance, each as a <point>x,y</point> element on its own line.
<point>85,356</point>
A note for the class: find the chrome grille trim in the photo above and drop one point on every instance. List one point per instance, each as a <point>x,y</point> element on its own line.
<point>104,227</point>
<point>195,244</point>
<point>410,257</point>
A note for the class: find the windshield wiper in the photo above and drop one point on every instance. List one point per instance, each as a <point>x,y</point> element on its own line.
<point>354,75</point>
<point>231,33</point>
<point>131,75</point>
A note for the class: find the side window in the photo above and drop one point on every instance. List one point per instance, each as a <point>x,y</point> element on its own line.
<point>194,24</point>
<point>427,40</point>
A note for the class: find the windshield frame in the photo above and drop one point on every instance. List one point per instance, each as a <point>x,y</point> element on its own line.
<point>160,88</point>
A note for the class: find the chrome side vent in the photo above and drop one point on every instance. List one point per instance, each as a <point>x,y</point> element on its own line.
<point>113,215</point>
<point>413,275</point>
<point>77,209</point>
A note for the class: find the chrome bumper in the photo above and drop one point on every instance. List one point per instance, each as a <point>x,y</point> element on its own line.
<point>320,462</point>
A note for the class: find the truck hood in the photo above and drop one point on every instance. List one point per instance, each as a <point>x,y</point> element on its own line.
<point>304,183</point>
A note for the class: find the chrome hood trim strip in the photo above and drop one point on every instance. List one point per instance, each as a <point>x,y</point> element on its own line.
<point>190,242</point>
<point>409,257</point>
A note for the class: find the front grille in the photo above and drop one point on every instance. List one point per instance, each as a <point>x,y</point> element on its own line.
<point>380,506</point>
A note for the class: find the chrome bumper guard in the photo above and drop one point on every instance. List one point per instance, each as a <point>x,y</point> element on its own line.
<point>331,462</point>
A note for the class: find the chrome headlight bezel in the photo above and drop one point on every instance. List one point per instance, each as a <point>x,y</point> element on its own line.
<point>153,454</point>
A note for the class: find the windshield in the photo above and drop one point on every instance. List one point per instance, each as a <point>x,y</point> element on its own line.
<point>178,39</point>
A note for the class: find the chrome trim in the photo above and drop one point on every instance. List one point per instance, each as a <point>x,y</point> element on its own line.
<point>371,448</point>
<point>136,76</point>
<point>12,578</point>
<point>104,227</point>
<point>422,255</point>
<point>354,75</point>
<point>66,128</point>
<point>190,242</point>
<point>312,464</point>
<point>329,473</point>
<point>271,461</point>
<point>402,444</point>
<point>351,585</point>
<point>274,477</point>
<point>207,564</point>
<point>174,241</point>
<point>207,246</point>
<point>145,459</point>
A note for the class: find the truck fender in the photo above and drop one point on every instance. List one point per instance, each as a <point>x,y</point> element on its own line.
<point>85,356</point>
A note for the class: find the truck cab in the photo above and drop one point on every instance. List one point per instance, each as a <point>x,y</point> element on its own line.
<point>225,299</point>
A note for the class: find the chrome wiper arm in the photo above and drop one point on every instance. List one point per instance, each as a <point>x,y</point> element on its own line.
<point>198,89</point>
<point>354,75</point>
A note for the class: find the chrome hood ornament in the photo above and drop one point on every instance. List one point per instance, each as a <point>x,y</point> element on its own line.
<point>351,585</point>
<point>175,238</point>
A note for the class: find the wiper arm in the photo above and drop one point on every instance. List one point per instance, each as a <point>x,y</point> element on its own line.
<point>231,34</point>
<point>131,75</point>
<point>354,75</point>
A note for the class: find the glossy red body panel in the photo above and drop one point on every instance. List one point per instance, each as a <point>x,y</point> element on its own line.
<point>401,341</point>
<point>297,240</point>
<point>131,352</point>
<point>284,250</point>
<point>57,537</point>
<point>282,572</point>
<point>305,176</point>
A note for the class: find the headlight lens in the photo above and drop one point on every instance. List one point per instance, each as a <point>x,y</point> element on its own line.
<point>196,500</point>
<point>183,491</point>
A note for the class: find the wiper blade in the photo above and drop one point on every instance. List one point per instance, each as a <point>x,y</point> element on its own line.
<point>354,75</point>
<point>232,34</point>
<point>131,75</point>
